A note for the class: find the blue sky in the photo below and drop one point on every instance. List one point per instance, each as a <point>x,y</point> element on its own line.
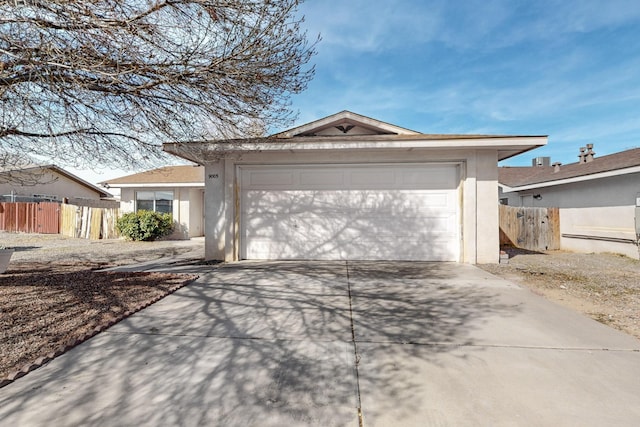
<point>569,69</point>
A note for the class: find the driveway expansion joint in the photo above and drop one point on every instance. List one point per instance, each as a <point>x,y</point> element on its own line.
<point>355,349</point>
<point>505,346</point>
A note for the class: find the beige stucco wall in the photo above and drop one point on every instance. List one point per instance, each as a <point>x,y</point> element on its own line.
<point>599,208</point>
<point>480,239</point>
<point>196,212</point>
<point>187,208</point>
<point>59,185</point>
<point>488,237</point>
<point>609,222</point>
<point>127,200</point>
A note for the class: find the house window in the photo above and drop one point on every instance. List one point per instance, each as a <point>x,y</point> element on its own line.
<point>158,201</point>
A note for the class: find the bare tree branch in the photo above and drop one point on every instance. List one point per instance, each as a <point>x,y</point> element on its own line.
<point>87,82</point>
<point>20,170</point>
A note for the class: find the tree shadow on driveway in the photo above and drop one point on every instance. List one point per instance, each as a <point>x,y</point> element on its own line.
<point>261,344</point>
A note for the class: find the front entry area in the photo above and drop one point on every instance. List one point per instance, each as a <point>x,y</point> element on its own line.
<point>408,211</point>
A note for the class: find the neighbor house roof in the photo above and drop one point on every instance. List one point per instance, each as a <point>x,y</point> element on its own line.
<point>534,176</point>
<point>184,175</point>
<point>33,167</point>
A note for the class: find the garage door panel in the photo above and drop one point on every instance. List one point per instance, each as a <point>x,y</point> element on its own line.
<point>322,179</point>
<point>310,219</point>
<point>343,247</point>
<point>385,202</point>
<point>365,227</point>
<point>433,179</point>
<point>372,178</point>
<point>269,179</point>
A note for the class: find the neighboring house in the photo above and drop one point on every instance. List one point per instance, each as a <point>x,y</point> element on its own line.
<point>178,190</point>
<point>598,198</point>
<point>47,183</point>
<point>351,187</point>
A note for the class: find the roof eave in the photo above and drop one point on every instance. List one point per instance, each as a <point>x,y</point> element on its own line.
<point>157,185</point>
<point>507,146</point>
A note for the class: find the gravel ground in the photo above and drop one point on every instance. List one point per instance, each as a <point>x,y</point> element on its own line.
<point>52,297</point>
<point>53,248</point>
<point>605,287</point>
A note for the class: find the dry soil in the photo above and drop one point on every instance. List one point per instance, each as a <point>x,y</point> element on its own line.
<point>605,287</point>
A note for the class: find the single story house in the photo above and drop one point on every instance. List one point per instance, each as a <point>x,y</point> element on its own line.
<point>178,190</point>
<point>47,183</point>
<point>598,197</point>
<point>352,187</point>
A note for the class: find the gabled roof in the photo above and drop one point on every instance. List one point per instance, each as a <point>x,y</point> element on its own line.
<point>622,162</point>
<point>347,131</point>
<point>56,169</point>
<point>345,123</point>
<point>183,175</point>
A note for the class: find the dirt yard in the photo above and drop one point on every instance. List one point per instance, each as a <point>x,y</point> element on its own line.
<point>56,248</point>
<point>605,287</point>
<point>52,297</point>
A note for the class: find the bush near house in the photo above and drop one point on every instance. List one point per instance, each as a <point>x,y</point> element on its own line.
<point>145,225</point>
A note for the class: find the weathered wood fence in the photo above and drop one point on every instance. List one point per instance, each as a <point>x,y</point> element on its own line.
<point>55,218</point>
<point>30,217</point>
<point>88,222</point>
<point>535,229</point>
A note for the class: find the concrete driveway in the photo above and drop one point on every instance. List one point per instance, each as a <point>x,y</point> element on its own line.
<point>340,343</point>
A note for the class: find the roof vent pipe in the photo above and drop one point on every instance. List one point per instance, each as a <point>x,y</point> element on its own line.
<point>556,167</point>
<point>590,153</point>
<point>582,154</point>
<point>541,161</point>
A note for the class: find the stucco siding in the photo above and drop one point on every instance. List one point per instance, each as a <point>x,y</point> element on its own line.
<point>195,212</point>
<point>612,191</point>
<point>127,200</point>
<point>488,238</point>
<point>187,209</point>
<point>592,212</point>
<point>614,223</point>
<point>217,235</point>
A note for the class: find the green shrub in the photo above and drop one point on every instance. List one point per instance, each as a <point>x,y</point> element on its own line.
<point>145,225</point>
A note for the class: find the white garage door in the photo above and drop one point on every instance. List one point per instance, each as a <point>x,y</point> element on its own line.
<point>359,212</point>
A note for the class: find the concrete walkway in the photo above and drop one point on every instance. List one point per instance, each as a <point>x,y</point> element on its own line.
<point>319,343</point>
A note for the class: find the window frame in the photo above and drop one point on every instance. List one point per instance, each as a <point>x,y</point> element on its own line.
<point>156,197</point>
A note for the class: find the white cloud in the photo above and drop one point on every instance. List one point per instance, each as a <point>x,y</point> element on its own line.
<point>375,25</point>
<point>365,25</point>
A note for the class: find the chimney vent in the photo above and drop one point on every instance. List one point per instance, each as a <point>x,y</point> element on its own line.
<point>541,161</point>
<point>590,153</point>
<point>556,167</point>
<point>582,155</point>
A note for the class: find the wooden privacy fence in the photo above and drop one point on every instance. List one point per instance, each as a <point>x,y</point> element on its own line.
<point>30,217</point>
<point>535,229</point>
<point>55,218</point>
<point>88,222</point>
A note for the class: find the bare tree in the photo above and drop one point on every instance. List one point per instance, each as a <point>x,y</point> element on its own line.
<point>105,82</point>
